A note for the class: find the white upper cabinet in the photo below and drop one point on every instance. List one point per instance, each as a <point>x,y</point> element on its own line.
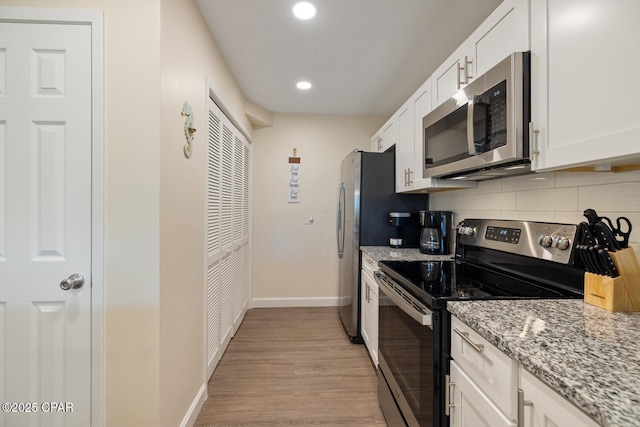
<point>505,31</point>
<point>584,100</point>
<point>404,147</point>
<point>376,142</point>
<point>452,75</point>
<point>385,137</point>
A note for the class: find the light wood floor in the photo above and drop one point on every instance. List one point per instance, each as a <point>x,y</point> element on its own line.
<point>292,366</point>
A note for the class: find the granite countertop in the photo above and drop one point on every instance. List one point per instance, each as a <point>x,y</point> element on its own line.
<point>588,355</point>
<point>386,253</point>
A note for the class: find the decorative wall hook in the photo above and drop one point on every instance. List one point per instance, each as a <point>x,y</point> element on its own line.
<point>189,130</point>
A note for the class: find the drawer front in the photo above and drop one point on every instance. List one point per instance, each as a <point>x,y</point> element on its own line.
<point>369,264</point>
<point>495,373</point>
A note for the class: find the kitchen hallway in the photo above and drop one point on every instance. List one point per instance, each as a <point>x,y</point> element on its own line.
<point>292,366</point>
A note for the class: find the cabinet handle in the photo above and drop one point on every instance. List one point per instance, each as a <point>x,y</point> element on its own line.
<point>468,63</point>
<point>460,83</point>
<point>447,396</point>
<point>533,140</point>
<point>368,289</point>
<point>521,404</point>
<point>409,177</point>
<point>379,144</point>
<point>465,336</point>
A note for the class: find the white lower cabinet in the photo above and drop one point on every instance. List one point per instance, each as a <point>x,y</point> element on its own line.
<point>543,407</point>
<point>488,388</point>
<point>369,304</point>
<point>470,405</point>
<point>483,380</point>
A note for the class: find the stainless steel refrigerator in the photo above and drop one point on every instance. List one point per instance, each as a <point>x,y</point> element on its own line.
<point>366,196</point>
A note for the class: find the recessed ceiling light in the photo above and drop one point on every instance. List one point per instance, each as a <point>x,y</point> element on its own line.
<point>303,85</point>
<point>304,10</point>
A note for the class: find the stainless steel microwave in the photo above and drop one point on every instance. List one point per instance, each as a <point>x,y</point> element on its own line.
<point>482,131</point>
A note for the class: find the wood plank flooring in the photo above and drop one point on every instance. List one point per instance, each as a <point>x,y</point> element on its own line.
<point>292,366</point>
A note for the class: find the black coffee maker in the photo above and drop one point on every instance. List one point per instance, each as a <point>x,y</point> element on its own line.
<point>435,237</point>
<point>407,228</point>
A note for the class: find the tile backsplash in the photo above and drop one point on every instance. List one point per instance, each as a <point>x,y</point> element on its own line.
<point>550,197</point>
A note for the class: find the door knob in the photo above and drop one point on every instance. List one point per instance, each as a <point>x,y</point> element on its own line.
<point>74,281</point>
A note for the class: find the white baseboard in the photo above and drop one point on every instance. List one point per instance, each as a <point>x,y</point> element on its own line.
<point>196,406</point>
<point>295,302</point>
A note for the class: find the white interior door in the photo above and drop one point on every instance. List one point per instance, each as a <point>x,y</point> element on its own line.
<point>45,223</point>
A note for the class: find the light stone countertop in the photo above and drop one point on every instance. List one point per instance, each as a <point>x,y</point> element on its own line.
<point>386,253</point>
<point>588,355</point>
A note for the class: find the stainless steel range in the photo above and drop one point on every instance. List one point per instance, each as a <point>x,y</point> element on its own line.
<point>495,259</point>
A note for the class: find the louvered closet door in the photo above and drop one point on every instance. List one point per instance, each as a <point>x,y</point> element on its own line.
<point>246,224</point>
<point>240,226</point>
<point>226,236</point>
<point>213,205</point>
<point>228,233</point>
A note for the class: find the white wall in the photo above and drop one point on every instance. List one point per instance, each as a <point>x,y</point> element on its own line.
<point>188,56</point>
<point>552,197</point>
<point>294,263</point>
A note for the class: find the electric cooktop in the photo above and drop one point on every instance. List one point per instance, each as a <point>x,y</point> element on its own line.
<point>436,282</point>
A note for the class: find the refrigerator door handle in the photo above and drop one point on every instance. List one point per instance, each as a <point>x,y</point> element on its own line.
<point>340,217</point>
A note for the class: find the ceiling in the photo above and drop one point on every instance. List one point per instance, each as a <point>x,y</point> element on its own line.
<point>363,57</point>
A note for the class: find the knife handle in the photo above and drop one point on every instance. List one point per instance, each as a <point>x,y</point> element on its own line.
<point>608,262</point>
<point>607,237</point>
<point>591,215</point>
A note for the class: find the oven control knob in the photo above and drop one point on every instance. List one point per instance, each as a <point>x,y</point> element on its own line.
<point>562,243</point>
<point>545,241</point>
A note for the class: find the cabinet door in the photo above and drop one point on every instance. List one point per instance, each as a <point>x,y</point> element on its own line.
<point>369,321</point>
<point>505,31</point>
<point>584,99</point>
<point>470,406</point>
<point>546,408</point>
<point>388,134</point>
<point>376,142</point>
<point>421,107</point>
<point>404,147</point>
<point>453,74</point>
<point>373,333</point>
<point>364,313</point>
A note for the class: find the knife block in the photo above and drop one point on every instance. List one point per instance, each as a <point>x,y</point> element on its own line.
<point>621,293</point>
<point>606,292</point>
<point>627,264</point>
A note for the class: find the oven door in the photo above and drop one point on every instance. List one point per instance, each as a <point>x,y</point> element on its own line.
<point>407,355</point>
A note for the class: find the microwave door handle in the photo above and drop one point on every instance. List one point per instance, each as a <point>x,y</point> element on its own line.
<point>470,142</point>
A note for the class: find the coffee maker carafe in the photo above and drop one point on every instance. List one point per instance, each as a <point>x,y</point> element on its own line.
<point>435,236</point>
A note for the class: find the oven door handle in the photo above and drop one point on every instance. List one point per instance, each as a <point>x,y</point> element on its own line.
<point>406,302</point>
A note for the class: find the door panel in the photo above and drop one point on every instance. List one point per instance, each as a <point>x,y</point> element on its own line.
<point>45,221</point>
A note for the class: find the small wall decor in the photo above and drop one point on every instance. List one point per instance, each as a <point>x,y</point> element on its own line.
<point>189,130</point>
<point>294,178</point>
